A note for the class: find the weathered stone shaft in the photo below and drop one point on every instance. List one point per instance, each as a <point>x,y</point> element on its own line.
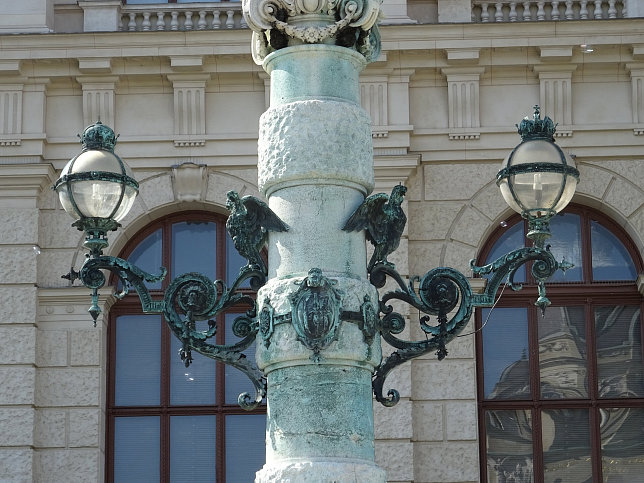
<point>315,167</point>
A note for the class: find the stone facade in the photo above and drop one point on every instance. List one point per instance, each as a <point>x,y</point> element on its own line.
<point>444,97</point>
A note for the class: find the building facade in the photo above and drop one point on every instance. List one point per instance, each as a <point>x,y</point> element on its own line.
<point>518,398</point>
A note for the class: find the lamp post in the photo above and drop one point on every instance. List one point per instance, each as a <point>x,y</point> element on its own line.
<point>318,316</point>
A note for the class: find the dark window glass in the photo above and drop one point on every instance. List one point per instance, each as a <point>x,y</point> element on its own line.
<point>611,260</point>
<point>166,421</point>
<point>512,239</point>
<point>561,394</point>
<point>505,353</point>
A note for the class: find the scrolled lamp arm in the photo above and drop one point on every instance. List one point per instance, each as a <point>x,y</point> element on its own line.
<point>437,294</point>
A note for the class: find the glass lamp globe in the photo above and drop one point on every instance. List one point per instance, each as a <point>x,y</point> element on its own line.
<point>96,187</point>
<point>537,179</point>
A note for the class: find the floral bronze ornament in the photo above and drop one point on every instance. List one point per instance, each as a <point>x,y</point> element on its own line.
<point>315,311</point>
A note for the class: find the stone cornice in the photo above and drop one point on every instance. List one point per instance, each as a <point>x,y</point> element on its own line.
<point>25,181</point>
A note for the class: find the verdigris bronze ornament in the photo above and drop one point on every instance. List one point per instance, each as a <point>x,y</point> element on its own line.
<point>315,311</point>
<point>384,220</point>
<point>248,225</point>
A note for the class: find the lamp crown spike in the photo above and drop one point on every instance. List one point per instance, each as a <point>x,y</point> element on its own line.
<point>537,128</point>
<point>98,136</point>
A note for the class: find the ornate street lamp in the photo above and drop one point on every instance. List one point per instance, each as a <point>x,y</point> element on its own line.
<point>537,178</point>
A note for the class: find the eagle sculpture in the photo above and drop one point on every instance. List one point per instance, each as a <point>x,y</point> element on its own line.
<point>248,225</point>
<point>384,220</point>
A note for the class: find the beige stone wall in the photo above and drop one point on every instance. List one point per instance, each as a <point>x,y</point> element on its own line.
<point>444,100</point>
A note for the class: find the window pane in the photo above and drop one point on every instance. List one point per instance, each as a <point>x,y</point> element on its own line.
<point>194,248</point>
<point>505,354</point>
<point>619,351</point>
<point>193,385</point>
<point>565,437</point>
<point>562,353</point>
<point>136,449</point>
<point>147,256</point>
<point>138,360</point>
<point>511,240</point>
<point>236,381</point>
<point>565,244</point>
<point>622,433</point>
<point>509,446</point>
<point>611,261</point>
<point>192,449</point>
<point>245,446</point>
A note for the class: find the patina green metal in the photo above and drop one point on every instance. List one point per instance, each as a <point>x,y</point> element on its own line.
<point>438,293</point>
<point>193,297</point>
<point>248,225</point>
<point>315,311</point>
<point>383,219</point>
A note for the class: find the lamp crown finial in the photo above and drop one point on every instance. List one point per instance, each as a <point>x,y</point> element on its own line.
<point>98,136</point>
<point>537,128</point>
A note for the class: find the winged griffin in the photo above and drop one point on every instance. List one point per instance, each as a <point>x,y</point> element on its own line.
<point>384,220</point>
<point>248,224</point>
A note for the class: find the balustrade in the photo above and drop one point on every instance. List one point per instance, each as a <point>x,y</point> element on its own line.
<point>536,11</point>
<point>228,15</point>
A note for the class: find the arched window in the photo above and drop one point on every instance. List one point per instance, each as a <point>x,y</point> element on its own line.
<point>166,422</point>
<point>561,396</point>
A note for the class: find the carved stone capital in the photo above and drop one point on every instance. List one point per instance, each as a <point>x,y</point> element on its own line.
<point>282,23</point>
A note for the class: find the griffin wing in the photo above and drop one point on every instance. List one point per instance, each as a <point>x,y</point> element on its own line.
<point>369,216</point>
<point>260,215</point>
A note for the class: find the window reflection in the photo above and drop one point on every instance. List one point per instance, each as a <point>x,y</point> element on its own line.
<point>509,446</point>
<point>622,442</point>
<point>565,244</point>
<point>511,240</point>
<point>566,446</point>
<point>611,260</point>
<point>505,352</point>
<point>148,257</point>
<point>562,353</point>
<point>619,351</point>
<point>193,248</point>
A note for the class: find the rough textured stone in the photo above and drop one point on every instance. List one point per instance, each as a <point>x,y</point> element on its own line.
<point>52,264</point>
<point>56,230</point>
<point>436,380</point>
<point>431,220</point>
<point>15,465</point>
<point>156,191</point>
<point>428,421</point>
<point>84,426</point>
<point>52,348</point>
<point>469,227</point>
<point>445,462</point>
<point>241,182</point>
<point>625,196</point>
<point>461,420</point>
<point>17,264</point>
<point>394,422</point>
<point>397,459</point>
<point>17,383</point>
<point>69,465</point>
<point>329,134</point>
<point>23,223</point>
<point>85,347</point>
<point>441,184</point>
<point>22,308</point>
<point>68,387</point>
<point>18,344</point>
<point>424,256</point>
<point>16,426</point>
<point>593,181</point>
<point>312,471</point>
<point>49,429</point>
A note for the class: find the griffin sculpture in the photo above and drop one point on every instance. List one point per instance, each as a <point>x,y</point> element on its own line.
<point>248,225</point>
<point>384,220</point>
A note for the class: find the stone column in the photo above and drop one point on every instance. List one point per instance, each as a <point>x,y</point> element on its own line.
<point>317,345</point>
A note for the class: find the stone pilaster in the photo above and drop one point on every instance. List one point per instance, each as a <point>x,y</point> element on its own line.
<point>555,95</point>
<point>98,99</point>
<point>189,109</point>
